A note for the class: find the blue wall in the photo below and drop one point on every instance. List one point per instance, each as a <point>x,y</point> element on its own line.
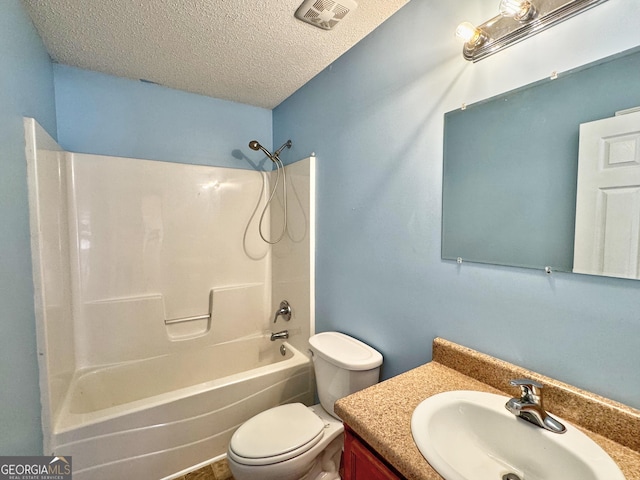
<point>375,120</point>
<point>26,89</point>
<point>108,115</point>
<point>94,113</point>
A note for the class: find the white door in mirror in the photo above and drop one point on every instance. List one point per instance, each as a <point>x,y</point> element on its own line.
<point>607,237</point>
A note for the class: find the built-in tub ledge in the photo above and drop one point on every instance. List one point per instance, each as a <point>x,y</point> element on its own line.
<point>381,415</point>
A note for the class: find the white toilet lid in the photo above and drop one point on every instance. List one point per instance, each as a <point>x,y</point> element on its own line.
<point>344,351</point>
<point>276,432</point>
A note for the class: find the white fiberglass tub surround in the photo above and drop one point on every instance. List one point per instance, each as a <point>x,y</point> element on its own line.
<point>178,411</point>
<point>154,295</point>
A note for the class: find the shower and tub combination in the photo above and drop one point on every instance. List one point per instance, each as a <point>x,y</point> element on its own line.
<point>155,297</point>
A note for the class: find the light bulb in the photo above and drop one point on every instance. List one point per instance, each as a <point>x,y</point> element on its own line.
<point>521,10</point>
<point>469,33</point>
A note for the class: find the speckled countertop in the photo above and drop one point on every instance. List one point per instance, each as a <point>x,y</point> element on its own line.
<point>381,415</point>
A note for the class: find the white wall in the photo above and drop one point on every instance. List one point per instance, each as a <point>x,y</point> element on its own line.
<point>151,240</point>
<point>293,277</point>
<point>49,223</point>
<point>121,245</point>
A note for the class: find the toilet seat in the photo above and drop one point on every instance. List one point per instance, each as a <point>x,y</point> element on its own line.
<point>276,435</point>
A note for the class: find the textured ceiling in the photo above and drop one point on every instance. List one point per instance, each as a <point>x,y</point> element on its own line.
<point>249,51</point>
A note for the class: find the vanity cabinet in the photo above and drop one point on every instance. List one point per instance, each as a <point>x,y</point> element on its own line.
<point>362,463</point>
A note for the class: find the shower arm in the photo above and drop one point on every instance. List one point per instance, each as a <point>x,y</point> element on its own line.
<point>277,153</point>
<point>275,156</point>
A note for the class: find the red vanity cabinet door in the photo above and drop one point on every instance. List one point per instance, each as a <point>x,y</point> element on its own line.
<point>360,463</point>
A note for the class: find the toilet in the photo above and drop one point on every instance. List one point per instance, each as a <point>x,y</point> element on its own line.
<point>295,442</point>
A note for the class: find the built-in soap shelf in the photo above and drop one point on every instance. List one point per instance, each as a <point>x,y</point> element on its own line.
<point>173,321</point>
<point>187,328</point>
<point>233,311</point>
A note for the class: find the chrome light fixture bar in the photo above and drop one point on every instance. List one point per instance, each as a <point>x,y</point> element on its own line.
<point>518,19</point>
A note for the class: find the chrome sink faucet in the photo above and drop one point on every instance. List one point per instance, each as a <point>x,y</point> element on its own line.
<point>529,406</point>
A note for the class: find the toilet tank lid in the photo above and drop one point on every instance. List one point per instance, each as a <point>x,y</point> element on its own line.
<point>344,351</point>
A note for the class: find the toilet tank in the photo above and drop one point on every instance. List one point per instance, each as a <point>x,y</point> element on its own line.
<point>343,365</point>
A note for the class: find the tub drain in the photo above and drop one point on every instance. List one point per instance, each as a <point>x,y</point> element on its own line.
<point>510,476</point>
<point>283,352</point>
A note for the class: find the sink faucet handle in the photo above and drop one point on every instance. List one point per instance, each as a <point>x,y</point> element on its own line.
<point>530,390</point>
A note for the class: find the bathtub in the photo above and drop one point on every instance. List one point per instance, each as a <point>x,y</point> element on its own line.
<point>153,418</point>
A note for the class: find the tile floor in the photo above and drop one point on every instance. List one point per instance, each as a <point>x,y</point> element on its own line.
<point>220,471</point>
<point>215,471</point>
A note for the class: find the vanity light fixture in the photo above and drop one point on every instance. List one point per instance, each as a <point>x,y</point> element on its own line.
<point>521,10</point>
<point>470,34</point>
<point>518,19</point>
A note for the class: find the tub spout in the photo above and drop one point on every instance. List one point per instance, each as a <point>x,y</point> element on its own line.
<point>284,334</point>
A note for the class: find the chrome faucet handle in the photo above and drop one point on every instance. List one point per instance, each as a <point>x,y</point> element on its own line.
<point>284,311</point>
<point>530,390</point>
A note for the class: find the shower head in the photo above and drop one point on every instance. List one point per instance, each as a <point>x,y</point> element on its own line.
<point>255,145</point>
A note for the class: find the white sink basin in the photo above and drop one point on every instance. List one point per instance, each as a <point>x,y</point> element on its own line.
<point>468,435</point>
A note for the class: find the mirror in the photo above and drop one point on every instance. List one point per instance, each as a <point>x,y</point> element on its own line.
<point>511,163</point>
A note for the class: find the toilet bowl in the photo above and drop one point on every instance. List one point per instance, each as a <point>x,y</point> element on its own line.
<point>295,442</point>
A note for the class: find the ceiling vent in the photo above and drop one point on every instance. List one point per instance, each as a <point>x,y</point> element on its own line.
<point>324,14</point>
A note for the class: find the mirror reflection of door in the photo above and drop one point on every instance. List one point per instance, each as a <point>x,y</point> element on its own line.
<point>607,239</point>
